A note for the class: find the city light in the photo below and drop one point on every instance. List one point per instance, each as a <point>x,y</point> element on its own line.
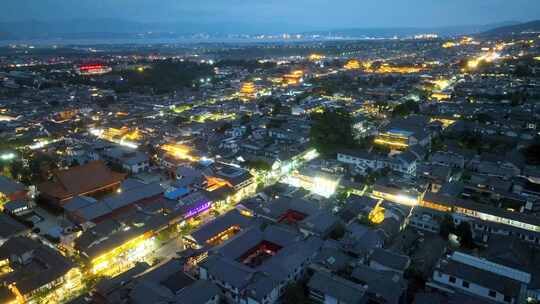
<point>487,57</point>
<point>442,84</point>
<point>41,144</point>
<point>376,216</point>
<point>248,90</point>
<point>390,143</point>
<point>311,155</point>
<point>324,187</point>
<point>198,210</point>
<point>122,136</point>
<point>449,44</point>
<point>316,57</point>
<point>7,156</point>
<point>352,65</point>
<point>214,183</point>
<point>131,251</point>
<point>387,69</point>
<point>179,151</point>
<point>293,78</point>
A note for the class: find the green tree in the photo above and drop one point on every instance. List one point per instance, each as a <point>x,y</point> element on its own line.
<point>447,226</point>
<point>523,70</point>
<point>295,293</point>
<point>258,165</point>
<point>405,109</point>
<point>331,131</point>
<point>381,106</point>
<point>245,119</point>
<point>74,163</point>
<point>41,165</point>
<point>338,232</point>
<point>532,153</point>
<point>464,232</point>
<point>482,118</point>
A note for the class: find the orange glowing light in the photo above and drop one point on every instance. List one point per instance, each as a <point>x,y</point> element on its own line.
<point>293,78</point>
<point>248,90</point>
<point>315,57</point>
<point>179,151</point>
<point>214,183</point>
<point>352,64</point>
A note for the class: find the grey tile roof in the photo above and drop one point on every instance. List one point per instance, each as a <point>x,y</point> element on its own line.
<point>390,259</point>
<point>46,265</point>
<point>9,226</point>
<point>220,224</point>
<point>89,212</point>
<point>320,223</point>
<point>9,186</point>
<point>387,285</point>
<point>481,277</point>
<point>337,287</point>
<point>199,292</point>
<point>276,208</point>
<point>260,280</point>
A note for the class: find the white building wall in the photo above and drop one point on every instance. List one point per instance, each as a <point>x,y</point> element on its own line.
<point>330,300</point>
<point>473,288</point>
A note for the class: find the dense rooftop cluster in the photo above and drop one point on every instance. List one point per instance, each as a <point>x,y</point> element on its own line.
<point>391,171</point>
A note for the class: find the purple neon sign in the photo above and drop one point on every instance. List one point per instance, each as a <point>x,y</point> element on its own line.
<point>198,210</point>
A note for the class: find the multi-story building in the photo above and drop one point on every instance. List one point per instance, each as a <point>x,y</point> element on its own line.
<point>467,274</point>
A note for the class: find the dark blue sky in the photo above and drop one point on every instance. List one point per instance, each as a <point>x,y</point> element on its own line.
<point>303,13</point>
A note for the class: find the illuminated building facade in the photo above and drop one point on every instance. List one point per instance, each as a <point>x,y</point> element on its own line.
<point>396,195</point>
<point>180,152</point>
<point>465,273</point>
<point>316,57</point>
<point>440,96</point>
<point>321,183</point>
<point>93,69</point>
<point>123,136</point>
<point>388,69</point>
<point>402,133</point>
<point>124,255</point>
<point>219,230</point>
<point>395,139</point>
<point>524,226</point>
<point>363,163</point>
<point>352,64</point>
<point>36,272</point>
<point>64,116</point>
<point>240,182</point>
<point>248,91</point>
<point>293,78</point>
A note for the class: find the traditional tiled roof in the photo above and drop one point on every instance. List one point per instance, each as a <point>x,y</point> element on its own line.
<point>80,180</point>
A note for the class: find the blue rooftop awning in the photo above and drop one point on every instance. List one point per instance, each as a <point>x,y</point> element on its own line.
<point>175,194</point>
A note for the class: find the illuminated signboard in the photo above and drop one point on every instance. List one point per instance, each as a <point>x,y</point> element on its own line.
<point>196,211</point>
<point>91,67</point>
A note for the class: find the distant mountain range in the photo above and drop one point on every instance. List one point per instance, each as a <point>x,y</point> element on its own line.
<point>411,31</point>
<point>114,28</point>
<point>111,28</point>
<point>521,28</point>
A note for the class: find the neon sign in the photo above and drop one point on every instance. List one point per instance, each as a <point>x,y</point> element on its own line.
<point>91,67</point>
<point>196,211</point>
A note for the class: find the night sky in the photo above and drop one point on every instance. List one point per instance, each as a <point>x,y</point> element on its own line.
<point>305,14</point>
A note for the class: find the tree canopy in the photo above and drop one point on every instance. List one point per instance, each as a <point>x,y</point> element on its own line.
<point>331,131</point>
<point>405,108</point>
<point>167,75</point>
<point>532,153</point>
